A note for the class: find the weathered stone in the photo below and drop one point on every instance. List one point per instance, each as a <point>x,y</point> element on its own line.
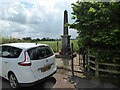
<point>65,37</point>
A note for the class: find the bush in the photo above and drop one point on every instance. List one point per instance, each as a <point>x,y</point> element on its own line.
<point>98,26</point>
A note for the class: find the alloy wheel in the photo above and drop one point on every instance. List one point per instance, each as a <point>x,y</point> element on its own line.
<point>13,81</point>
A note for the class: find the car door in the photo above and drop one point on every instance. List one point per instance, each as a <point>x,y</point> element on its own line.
<point>9,59</point>
<point>5,59</point>
<point>0,60</point>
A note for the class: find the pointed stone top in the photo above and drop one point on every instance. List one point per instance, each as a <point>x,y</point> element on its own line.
<point>65,11</point>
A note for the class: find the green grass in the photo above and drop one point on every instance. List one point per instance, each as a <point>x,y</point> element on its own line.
<point>75,45</point>
<point>53,44</point>
<point>13,40</point>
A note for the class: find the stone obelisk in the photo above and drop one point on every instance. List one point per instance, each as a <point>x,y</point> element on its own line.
<point>65,36</point>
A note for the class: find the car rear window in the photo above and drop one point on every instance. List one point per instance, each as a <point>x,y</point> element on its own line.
<point>40,52</point>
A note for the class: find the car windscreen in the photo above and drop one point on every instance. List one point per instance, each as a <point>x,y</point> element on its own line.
<point>40,52</point>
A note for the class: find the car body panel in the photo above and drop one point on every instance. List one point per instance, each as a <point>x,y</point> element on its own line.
<point>27,74</point>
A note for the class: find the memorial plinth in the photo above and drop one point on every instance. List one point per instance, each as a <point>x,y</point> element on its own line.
<point>65,37</point>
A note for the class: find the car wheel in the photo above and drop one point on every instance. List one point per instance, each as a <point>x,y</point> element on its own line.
<point>13,81</point>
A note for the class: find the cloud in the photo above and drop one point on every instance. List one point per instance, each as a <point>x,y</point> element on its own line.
<point>34,18</point>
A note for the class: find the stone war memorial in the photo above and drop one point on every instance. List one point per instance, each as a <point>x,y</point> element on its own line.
<point>66,50</point>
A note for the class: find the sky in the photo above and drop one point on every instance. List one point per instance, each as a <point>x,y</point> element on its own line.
<point>34,18</point>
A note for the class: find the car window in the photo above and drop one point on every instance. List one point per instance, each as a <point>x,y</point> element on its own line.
<point>40,52</point>
<point>5,51</point>
<point>10,52</point>
<point>15,52</point>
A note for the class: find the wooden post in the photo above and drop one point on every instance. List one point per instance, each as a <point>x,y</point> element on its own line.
<point>57,46</point>
<point>88,68</point>
<point>96,71</point>
<point>72,63</point>
<point>84,60</point>
<point>79,55</point>
<point>79,58</point>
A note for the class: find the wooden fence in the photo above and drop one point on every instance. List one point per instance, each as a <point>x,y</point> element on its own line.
<point>102,69</point>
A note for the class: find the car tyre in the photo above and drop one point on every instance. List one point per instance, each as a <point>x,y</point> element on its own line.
<point>13,81</point>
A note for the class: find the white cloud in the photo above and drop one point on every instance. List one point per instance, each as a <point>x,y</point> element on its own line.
<point>34,18</point>
<point>4,23</point>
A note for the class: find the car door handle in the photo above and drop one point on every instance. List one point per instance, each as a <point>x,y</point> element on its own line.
<point>6,62</point>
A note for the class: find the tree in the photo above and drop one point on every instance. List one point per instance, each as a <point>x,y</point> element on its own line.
<point>98,26</point>
<point>27,38</point>
<point>43,39</point>
<point>37,39</point>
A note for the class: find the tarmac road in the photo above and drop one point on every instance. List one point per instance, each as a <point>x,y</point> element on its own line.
<point>56,81</point>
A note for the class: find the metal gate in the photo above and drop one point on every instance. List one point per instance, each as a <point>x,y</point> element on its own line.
<point>70,66</point>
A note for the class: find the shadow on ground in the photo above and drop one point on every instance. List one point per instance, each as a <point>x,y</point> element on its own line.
<point>48,83</point>
<point>90,83</point>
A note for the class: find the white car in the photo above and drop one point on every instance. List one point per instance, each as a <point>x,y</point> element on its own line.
<point>26,63</point>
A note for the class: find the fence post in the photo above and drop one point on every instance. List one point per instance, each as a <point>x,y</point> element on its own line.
<point>88,67</point>
<point>79,59</point>
<point>84,60</point>
<point>72,63</point>
<point>79,55</point>
<point>96,71</point>
<point>57,46</point>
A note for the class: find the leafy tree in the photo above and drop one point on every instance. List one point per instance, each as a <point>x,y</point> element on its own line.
<point>98,26</point>
<point>37,39</point>
<point>27,38</point>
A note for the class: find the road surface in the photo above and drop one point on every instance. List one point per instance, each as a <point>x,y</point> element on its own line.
<point>57,81</point>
